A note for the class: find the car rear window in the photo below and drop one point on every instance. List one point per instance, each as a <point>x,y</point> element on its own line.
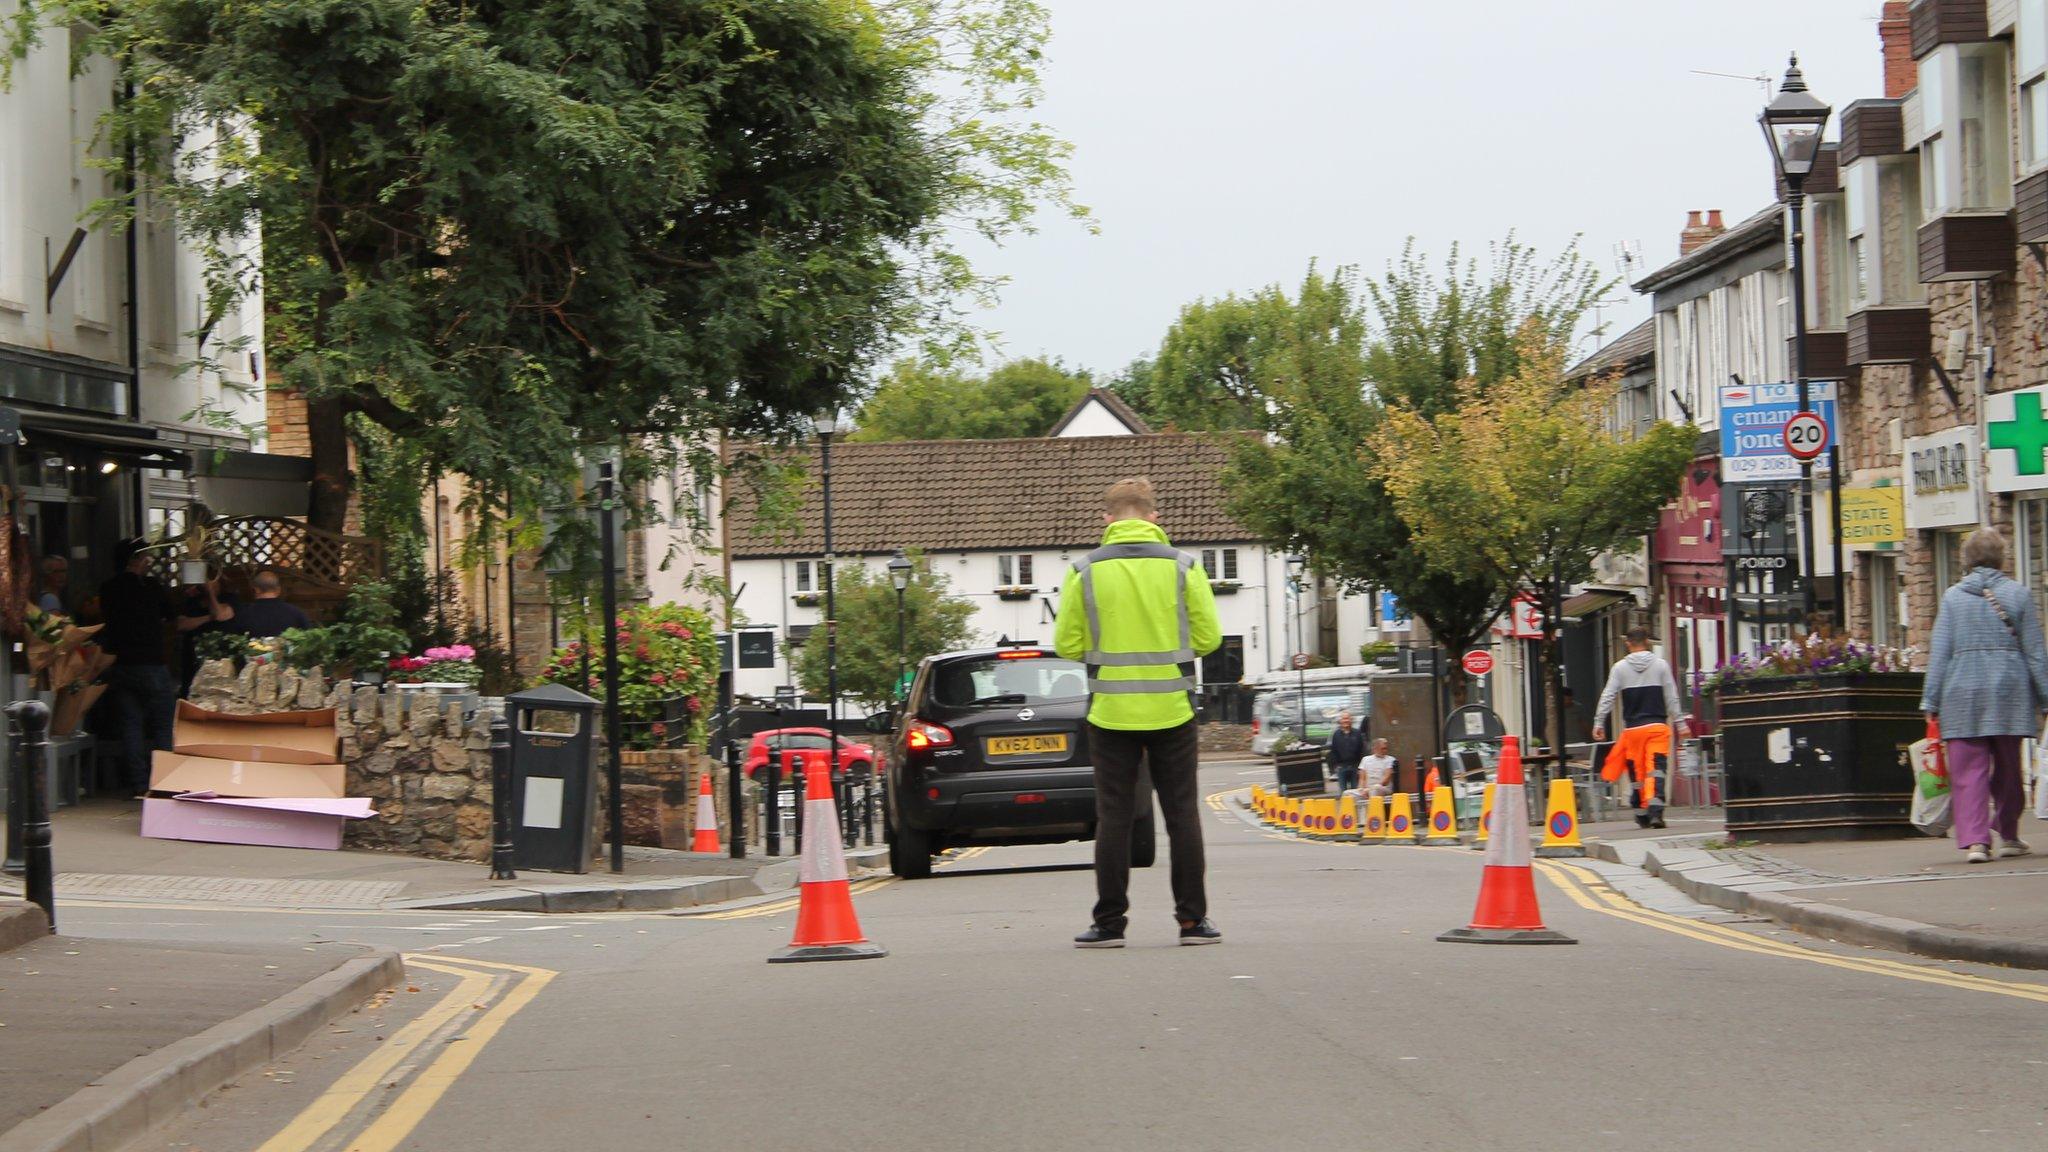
<point>992,680</point>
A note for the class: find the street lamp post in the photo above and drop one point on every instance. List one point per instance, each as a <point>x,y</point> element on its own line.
<point>826,424</point>
<point>1793,123</point>
<point>899,575</point>
<point>1296,562</point>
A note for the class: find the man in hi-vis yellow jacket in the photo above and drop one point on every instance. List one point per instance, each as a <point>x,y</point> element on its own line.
<point>1139,613</point>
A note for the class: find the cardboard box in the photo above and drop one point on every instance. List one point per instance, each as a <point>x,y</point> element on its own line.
<point>266,738</point>
<point>176,772</point>
<point>276,823</point>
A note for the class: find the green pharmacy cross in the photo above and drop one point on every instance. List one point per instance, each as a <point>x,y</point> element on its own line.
<point>2026,434</point>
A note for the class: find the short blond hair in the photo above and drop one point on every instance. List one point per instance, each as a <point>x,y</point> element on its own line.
<point>1130,499</point>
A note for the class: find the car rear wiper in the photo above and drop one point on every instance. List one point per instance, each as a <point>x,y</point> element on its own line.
<point>1012,698</point>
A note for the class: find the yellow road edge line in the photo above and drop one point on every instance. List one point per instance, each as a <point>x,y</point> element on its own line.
<point>340,1098</point>
<point>1568,879</point>
<point>405,1113</point>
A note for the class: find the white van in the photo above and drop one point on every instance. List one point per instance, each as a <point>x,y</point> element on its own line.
<point>1277,708</point>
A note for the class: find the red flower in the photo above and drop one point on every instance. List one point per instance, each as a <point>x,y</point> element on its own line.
<point>642,653</point>
<point>660,729</point>
<point>658,679</point>
<point>692,703</point>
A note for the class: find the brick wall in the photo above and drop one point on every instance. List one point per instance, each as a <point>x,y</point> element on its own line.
<point>285,421</point>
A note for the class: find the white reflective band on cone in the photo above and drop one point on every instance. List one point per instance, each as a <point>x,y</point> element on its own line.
<point>707,816</point>
<point>1507,846</point>
<point>823,860</point>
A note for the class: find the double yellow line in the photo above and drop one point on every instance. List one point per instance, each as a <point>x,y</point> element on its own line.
<point>790,903</point>
<point>499,991</point>
<point>1585,888</point>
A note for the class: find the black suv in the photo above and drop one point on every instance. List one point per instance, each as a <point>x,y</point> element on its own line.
<point>992,748</point>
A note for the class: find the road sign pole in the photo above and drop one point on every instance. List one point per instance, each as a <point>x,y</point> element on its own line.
<point>1835,514</point>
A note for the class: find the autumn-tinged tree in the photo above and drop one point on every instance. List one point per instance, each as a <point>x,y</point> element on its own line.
<point>865,601</point>
<point>1525,483</point>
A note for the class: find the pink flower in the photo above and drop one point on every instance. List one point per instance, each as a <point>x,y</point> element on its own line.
<point>692,703</point>
<point>658,679</point>
<point>660,729</point>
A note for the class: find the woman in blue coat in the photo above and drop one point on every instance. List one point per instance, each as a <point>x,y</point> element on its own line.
<point>1987,681</point>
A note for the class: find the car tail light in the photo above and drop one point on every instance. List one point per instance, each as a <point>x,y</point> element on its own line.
<point>920,735</point>
<point>1030,797</point>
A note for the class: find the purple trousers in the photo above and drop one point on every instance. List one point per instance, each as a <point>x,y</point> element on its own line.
<point>1983,774</point>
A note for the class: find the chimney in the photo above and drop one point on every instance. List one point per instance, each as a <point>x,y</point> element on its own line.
<point>1895,31</point>
<point>1698,235</point>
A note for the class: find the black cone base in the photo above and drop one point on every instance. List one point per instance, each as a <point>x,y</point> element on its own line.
<point>860,951</point>
<point>1505,936</point>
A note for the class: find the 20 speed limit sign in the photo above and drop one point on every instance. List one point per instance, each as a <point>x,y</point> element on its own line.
<point>1806,436</point>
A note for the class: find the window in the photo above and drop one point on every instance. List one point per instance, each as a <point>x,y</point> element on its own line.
<point>1884,600</point>
<point>1020,680</point>
<point>1220,563</point>
<point>1013,571</point>
<point>1882,215</point>
<point>1965,159</point>
<point>87,274</point>
<point>1948,559</point>
<point>1828,268</point>
<point>803,575</point>
<point>2032,517</point>
<point>2030,62</point>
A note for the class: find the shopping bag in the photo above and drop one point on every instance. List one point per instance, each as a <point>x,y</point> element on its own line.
<point>1930,762</point>
<point>1934,814</point>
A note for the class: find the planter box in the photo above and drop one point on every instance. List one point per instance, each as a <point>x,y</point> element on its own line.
<point>1015,593</point>
<point>1299,773</point>
<point>1820,758</point>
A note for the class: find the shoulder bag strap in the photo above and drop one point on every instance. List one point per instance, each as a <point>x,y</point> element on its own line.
<point>2011,629</point>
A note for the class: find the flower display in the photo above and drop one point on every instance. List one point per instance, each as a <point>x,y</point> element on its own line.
<point>668,662</point>
<point>453,664</point>
<point>1816,655</point>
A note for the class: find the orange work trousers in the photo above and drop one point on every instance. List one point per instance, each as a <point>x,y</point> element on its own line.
<point>1637,752</point>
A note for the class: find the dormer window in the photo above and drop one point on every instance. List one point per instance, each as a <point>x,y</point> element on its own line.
<point>1965,160</point>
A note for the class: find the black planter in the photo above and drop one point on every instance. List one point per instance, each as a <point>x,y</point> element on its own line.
<point>1299,772</point>
<point>1820,757</point>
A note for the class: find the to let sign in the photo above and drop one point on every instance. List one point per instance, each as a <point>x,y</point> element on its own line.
<point>1753,419</point>
<point>1478,662</point>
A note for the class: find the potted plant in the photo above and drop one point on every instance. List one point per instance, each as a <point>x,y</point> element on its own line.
<point>1015,592</point>
<point>668,668</point>
<point>1814,735</point>
<point>361,641</point>
<point>453,664</point>
<point>1224,587</point>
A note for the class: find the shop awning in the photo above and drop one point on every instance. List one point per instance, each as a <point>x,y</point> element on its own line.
<point>126,447</point>
<point>1592,603</point>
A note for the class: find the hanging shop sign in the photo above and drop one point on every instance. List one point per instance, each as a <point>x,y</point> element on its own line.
<point>2016,440</point>
<point>1941,479</point>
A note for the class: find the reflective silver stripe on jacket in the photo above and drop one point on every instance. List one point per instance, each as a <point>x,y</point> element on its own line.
<point>1095,658</point>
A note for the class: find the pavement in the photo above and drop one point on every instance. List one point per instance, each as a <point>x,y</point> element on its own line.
<point>1910,895</point>
<point>101,855</point>
<point>99,1038</point>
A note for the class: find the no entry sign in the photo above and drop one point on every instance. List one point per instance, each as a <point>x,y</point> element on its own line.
<point>1478,662</point>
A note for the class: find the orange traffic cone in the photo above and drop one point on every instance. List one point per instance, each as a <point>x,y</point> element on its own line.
<point>1485,821</point>
<point>1507,912</point>
<point>706,839</point>
<point>826,928</point>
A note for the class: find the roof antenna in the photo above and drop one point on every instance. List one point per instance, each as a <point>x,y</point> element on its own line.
<point>1761,79</point>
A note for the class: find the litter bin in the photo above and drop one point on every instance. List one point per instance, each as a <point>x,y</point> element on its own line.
<point>554,777</point>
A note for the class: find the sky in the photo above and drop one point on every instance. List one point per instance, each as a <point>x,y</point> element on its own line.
<point>1224,144</point>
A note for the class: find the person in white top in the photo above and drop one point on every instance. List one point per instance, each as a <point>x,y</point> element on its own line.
<point>1375,773</point>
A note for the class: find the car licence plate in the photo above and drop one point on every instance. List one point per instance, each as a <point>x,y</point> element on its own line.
<point>1027,745</point>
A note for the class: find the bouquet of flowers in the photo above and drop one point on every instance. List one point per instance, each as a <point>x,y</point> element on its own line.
<point>454,664</point>
<point>1817,655</point>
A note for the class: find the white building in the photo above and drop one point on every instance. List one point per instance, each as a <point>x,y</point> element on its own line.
<point>1004,520</point>
<point>99,329</point>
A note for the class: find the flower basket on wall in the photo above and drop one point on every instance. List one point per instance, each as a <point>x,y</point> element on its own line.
<point>808,599</point>
<point>1224,587</point>
<point>1015,593</point>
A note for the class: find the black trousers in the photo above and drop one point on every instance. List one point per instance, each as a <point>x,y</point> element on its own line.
<point>1173,757</point>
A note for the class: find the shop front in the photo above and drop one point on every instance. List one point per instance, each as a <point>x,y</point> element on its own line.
<point>1691,585</point>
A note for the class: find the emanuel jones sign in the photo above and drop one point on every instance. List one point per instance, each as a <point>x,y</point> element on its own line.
<point>1753,419</point>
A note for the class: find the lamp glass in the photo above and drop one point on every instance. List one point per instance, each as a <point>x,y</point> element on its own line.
<point>826,422</point>
<point>899,572</point>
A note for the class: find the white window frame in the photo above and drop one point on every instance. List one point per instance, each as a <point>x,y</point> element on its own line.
<point>1014,570</point>
<point>2030,75</point>
<point>2030,518</point>
<point>803,576</point>
<point>1828,271</point>
<point>1955,115</point>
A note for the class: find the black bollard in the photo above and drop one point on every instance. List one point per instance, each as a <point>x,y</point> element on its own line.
<point>798,787</point>
<point>867,808</point>
<point>735,801</point>
<point>32,718</point>
<point>771,806</point>
<point>501,800</point>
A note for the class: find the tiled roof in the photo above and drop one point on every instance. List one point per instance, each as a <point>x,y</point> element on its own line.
<point>1636,346</point>
<point>1116,406</point>
<point>1763,228</point>
<point>960,495</point>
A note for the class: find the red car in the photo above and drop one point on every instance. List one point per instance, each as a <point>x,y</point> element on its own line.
<point>854,758</point>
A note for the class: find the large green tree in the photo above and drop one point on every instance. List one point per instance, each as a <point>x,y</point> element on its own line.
<point>868,657</point>
<point>923,400</point>
<point>508,233</point>
<point>1422,338</point>
<point>1527,484</point>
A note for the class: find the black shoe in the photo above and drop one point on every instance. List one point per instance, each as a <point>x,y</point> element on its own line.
<point>1642,821</point>
<point>1657,821</point>
<point>1100,937</point>
<point>1202,932</point>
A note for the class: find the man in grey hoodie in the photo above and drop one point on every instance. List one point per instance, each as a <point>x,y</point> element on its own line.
<point>1643,695</point>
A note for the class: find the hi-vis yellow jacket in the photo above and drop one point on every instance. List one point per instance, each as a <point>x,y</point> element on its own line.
<point>1138,613</point>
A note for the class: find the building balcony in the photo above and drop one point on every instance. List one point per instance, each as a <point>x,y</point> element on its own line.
<point>1894,335</point>
<point>2030,208</point>
<point>1827,353</point>
<point>1967,246</point>
<point>1938,22</point>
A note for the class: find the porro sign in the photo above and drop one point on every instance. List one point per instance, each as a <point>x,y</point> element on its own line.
<point>1941,479</point>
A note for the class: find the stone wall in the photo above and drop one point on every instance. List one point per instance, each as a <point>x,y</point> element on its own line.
<point>660,790</point>
<point>425,768</point>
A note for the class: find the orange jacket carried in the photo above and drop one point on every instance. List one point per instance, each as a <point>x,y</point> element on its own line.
<point>1635,752</point>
